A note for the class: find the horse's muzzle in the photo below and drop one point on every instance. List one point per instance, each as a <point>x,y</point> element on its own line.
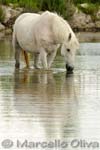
<point>69,69</point>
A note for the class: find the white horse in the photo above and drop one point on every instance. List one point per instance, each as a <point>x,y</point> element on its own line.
<point>42,35</point>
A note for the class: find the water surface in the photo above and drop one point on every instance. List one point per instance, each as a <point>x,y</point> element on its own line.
<point>42,105</point>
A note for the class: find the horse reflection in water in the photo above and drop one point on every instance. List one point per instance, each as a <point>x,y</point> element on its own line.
<point>47,101</point>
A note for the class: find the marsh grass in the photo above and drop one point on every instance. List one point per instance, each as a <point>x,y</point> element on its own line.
<point>86,1</point>
<point>2,14</point>
<point>65,8</point>
<point>62,7</point>
<point>91,9</point>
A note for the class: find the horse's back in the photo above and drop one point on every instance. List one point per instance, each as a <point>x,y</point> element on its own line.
<point>25,20</point>
<point>23,28</point>
<point>30,26</point>
<point>26,16</point>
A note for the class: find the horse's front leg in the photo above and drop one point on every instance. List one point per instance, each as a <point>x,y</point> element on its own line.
<point>43,57</point>
<point>51,57</point>
<point>36,60</point>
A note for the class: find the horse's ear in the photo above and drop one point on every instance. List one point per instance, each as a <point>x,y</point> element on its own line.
<point>69,38</point>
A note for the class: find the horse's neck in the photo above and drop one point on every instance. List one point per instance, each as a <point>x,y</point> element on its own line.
<point>60,31</point>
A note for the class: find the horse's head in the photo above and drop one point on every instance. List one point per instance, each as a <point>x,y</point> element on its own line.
<point>68,50</point>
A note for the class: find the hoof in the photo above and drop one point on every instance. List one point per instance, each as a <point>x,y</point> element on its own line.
<point>26,68</point>
<point>17,66</point>
<point>37,67</point>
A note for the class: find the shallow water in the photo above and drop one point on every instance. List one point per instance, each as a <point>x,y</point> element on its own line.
<point>39,105</point>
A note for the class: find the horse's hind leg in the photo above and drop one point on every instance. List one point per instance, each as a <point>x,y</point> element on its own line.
<point>26,58</point>
<point>17,58</point>
<point>17,50</point>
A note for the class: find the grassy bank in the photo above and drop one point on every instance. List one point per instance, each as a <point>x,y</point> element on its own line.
<point>59,6</point>
<point>64,7</point>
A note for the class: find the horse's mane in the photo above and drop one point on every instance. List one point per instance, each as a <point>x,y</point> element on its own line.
<point>60,27</point>
<point>63,29</point>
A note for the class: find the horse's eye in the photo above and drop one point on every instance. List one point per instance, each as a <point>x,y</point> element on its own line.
<point>68,50</point>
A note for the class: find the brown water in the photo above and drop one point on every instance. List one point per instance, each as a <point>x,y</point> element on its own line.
<point>39,105</point>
